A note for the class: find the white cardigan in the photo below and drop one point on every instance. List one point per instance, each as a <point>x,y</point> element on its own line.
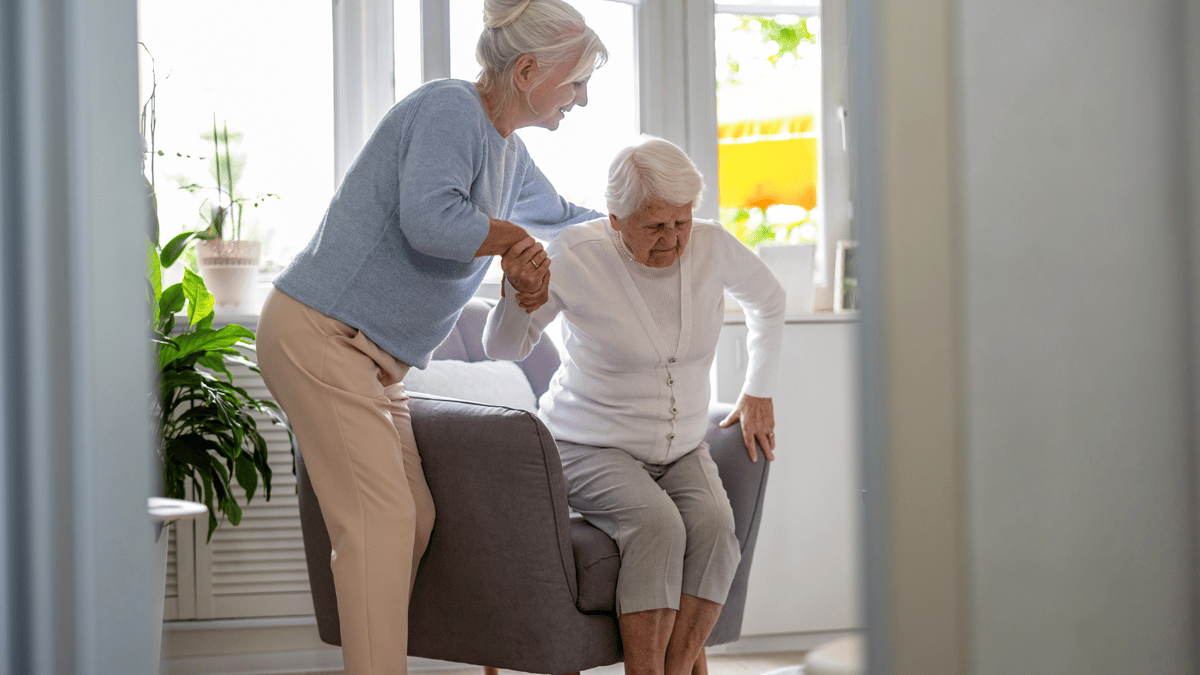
<point>620,385</point>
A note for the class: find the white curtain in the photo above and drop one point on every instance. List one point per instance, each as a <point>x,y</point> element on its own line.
<point>76,459</point>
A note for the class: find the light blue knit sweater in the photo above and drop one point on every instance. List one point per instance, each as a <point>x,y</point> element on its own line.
<point>393,256</point>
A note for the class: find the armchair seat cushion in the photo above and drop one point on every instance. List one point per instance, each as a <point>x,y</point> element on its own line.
<point>597,563</point>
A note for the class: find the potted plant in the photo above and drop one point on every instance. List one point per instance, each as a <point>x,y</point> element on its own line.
<point>226,261</point>
<point>208,437</point>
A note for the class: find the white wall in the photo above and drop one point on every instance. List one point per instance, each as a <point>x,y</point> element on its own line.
<point>1030,438</point>
<point>1078,456</point>
<point>76,445</point>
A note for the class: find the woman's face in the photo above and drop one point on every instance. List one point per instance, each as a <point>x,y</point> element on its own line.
<point>550,100</point>
<point>657,233</point>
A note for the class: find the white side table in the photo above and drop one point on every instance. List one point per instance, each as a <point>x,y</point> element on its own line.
<point>164,511</point>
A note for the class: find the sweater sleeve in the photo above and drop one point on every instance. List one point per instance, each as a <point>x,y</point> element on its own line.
<point>541,210</point>
<point>751,283</point>
<point>444,152</point>
<point>510,332</point>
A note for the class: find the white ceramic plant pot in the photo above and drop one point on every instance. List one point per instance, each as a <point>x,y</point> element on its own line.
<point>792,264</point>
<point>228,268</point>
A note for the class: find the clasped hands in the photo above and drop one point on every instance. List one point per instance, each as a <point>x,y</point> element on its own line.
<point>527,268</point>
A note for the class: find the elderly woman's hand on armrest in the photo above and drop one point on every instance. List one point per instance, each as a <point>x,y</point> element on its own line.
<point>757,416</point>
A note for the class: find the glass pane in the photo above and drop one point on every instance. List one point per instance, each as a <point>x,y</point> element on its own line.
<point>265,70</point>
<point>407,38</point>
<point>576,156</point>
<point>768,115</point>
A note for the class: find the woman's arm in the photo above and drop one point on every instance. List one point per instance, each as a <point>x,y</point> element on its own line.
<point>751,283</point>
<point>512,330</point>
<point>542,211</point>
<point>501,237</point>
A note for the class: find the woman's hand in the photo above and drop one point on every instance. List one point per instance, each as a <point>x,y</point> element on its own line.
<point>527,268</point>
<point>757,416</point>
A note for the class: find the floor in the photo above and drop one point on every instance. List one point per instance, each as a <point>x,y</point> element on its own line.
<point>778,663</point>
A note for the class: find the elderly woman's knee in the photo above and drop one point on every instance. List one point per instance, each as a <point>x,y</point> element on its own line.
<point>659,525</point>
<point>713,527</point>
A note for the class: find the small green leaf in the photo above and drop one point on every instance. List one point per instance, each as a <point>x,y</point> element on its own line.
<point>175,248</point>
<point>230,508</point>
<point>154,271</point>
<point>247,475</point>
<point>215,361</point>
<point>200,301</point>
<point>170,301</point>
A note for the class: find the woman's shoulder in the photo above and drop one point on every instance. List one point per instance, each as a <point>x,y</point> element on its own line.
<point>711,233</point>
<point>581,236</point>
<point>445,97</point>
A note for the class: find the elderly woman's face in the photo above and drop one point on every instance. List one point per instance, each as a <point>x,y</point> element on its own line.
<point>657,233</point>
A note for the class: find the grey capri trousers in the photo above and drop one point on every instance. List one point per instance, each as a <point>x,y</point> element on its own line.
<point>672,522</point>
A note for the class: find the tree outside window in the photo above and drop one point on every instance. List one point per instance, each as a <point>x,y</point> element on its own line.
<point>768,87</point>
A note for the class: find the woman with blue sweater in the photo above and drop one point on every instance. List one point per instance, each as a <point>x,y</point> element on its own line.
<point>435,192</point>
<point>641,294</point>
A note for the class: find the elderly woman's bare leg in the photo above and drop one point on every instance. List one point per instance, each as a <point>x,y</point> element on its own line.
<point>644,637</point>
<point>701,667</point>
<point>695,621</point>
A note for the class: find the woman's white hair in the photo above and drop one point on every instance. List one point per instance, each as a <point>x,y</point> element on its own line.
<point>651,169</point>
<point>552,31</point>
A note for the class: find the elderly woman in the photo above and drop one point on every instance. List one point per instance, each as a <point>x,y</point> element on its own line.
<point>442,185</point>
<point>641,294</point>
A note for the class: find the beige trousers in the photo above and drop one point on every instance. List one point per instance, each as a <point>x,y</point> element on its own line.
<point>348,410</point>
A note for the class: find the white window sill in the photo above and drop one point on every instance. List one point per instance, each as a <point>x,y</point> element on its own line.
<point>734,316</point>
<point>247,312</point>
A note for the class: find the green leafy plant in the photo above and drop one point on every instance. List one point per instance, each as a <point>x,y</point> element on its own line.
<point>783,38</point>
<point>207,434</point>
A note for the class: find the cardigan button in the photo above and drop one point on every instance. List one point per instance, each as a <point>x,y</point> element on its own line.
<point>674,410</point>
<point>670,437</point>
<point>672,360</point>
<point>670,382</point>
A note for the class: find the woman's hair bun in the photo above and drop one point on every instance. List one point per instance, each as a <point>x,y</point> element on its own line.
<point>497,13</point>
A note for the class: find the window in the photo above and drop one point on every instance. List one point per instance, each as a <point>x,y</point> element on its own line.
<point>768,113</point>
<point>406,39</point>
<point>264,70</point>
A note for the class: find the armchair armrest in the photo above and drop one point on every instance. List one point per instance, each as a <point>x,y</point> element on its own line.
<point>746,484</point>
<point>499,562</point>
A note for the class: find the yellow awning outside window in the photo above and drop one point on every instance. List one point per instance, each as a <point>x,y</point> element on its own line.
<point>767,144</point>
<point>779,170</point>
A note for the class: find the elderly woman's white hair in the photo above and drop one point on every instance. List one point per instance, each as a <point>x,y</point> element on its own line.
<point>552,31</point>
<point>653,168</point>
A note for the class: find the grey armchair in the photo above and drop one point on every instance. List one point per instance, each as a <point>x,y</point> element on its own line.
<point>510,579</point>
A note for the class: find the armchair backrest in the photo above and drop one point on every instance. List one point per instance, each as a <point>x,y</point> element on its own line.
<point>465,343</point>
